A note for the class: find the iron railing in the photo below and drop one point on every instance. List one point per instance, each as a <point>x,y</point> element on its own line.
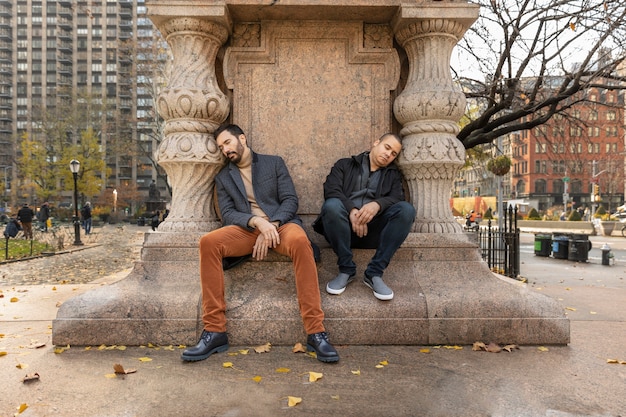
<point>500,248</point>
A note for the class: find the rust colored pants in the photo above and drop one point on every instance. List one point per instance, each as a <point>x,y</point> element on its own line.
<point>235,241</point>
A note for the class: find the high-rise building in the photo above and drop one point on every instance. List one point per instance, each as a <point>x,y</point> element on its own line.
<point>79,51</point>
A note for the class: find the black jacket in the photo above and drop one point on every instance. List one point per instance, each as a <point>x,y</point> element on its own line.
<point>25,215</point>
<point>340,183</point>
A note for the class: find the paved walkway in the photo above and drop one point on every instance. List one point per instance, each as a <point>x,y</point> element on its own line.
<point>556,381</point>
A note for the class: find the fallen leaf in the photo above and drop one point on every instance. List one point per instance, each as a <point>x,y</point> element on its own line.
<point>263,348</point>
<point>14,299</point>
<point>21,408</point>
<point>509,348</point>
<point>612,361</point>
<point>244,351</point>
<point>542,349</point>
<point>257,379</point>
<point>298,347</point>
<point>293,401</point>
<point>334,397</point>
<point>110,375</point>
<point>283,370</point>
<point>384,363</point>
<point>119,369</point>
<point>144,359</point>
<point>379,366</point>
<point>30,378</point>
<point>3,353</point>
<point>592,312</point>
<point>479,346</point>
<point>570,308</point>
<point>227,364</point>
<point>314,376</point>
<point>21,366</point>
<point>425,350</point>
<point>493,348</point>
<point>357,372</point>
<point>36,345</point>
<point>61,349</point>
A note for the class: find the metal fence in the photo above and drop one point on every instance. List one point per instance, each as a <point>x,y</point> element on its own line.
<point>500,248</point>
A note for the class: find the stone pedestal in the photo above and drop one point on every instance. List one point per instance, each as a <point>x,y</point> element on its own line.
<point>313,81</point>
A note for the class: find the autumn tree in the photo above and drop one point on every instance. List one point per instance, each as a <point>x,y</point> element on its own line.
<point>535,59</point>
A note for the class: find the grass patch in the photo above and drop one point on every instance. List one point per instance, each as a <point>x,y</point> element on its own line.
<point>20,248</point>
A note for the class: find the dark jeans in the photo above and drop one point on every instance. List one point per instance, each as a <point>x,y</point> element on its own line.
<point>385,233</point>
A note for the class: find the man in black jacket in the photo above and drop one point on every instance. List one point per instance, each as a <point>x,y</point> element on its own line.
<point>25,216</point>
<point>364,207</point>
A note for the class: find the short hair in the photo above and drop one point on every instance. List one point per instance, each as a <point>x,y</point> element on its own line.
<point>230,128</point>
<point>393,135</point>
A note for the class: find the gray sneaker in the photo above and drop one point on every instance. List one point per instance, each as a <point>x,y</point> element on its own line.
<point>338,284</point>
<point>381,290</point>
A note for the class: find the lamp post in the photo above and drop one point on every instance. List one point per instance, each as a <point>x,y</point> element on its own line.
<point>75,167</point>
<point>114,200</point>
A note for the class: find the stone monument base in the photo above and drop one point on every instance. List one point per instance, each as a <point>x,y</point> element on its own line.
<point>444,294</point>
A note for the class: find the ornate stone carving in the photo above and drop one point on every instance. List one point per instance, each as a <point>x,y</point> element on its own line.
<point>247,35</point>
<point>377,36</point>
<point>429,109</point>
<point>193,106</point>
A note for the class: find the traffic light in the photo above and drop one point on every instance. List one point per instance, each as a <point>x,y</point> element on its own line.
<point>596,189</point>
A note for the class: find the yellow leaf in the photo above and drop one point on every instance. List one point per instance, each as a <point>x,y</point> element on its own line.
<point>54,288</point>
<point>150,345</point>
<point>227,364</point>
<point>232,353</point>
<point>334,397</point>
<point>182,346</point>
<point>612,361</point>
<point>263,348</point>
<point>592,312</point>
<point>357,372</point>
<point>509,348</point>
<point>87,347</point>
<point>312,354</point>
<point>14,299</point>
<point>293,401</point>
<point>298,348</point>
<point>21,366</point>
<point>570,308</point>
<point>283,370</point>
<point>380,366</point>
<point>314,376</point>
<point>110,375</point>
<point>122,348</point>
<point>144,359</point>
<point>572,26</point>
<point>61,349</point>
<point>102,347</point>
<point>542,349</point>
<point>384,363</point>
<point>244,351</point>
<point>21,408</point>
<point>425,350</point>
<point>257,379</point>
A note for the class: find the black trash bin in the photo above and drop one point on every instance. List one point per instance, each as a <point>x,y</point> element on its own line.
<point>579,247</point>
<point>141,221</point>
<point>560,245</point>
<point>543,244</point>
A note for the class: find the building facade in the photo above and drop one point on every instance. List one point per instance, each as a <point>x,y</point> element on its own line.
<point>51,51</point>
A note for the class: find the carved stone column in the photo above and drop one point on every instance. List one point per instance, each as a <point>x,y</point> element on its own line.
<point>429,109</point>
<point>193,106</point>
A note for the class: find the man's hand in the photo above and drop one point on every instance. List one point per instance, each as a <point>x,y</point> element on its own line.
<point>268,238</point>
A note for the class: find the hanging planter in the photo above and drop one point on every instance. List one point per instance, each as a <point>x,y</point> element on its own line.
<point>500,165</point>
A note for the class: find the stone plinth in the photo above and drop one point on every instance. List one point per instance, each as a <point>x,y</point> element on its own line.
<point>445,294</point>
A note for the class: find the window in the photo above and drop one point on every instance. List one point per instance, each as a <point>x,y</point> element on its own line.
<point>611,131</point>
<point>540,186</point>
<point>610,115</point>
<point>593,131</point>
<point>593,115</point>
<point>575,131</point>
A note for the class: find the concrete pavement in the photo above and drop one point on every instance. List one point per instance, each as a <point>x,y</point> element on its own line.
<point>573,380</point>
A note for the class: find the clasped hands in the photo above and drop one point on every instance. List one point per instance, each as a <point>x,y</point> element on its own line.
<point>359,218</point>
<point>268,238</point>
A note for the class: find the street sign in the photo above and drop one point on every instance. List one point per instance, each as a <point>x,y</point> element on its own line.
<point>565,179</point>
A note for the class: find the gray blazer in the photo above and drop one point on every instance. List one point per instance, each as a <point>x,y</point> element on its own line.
<point>273,189</point>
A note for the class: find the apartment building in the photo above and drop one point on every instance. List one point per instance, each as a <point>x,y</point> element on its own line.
<point>52,51</point>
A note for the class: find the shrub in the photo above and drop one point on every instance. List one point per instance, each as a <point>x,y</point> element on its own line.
<point>533,214</point>
<point>574,216</point>
<point>499,165</point>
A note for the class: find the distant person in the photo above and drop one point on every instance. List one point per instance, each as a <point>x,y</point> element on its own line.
<point>43,216</point>
<point>155,220</point>
<point>364,207</point>
<point>13,228</point>
<point>85,212</point>
<point>26,215</point>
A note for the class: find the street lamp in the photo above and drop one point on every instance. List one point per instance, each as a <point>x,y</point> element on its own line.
<point>75,167</point>
<point>114,200</point>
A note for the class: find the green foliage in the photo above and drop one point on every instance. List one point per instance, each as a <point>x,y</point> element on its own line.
<point>499,165</point>
<point>533,214</point>
<point>574,216</point>
<point>600,212</point>
<point>20,248</point>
